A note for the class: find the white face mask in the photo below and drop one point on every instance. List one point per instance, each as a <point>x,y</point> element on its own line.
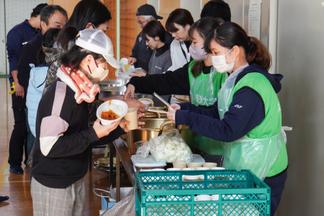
<point>220,64</point>
<point>99,73</point>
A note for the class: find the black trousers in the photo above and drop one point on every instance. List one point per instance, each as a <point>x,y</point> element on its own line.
<point>18,137</point>
<point>277,184</point>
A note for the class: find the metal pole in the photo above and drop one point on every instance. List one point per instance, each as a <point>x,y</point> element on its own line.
<point>5,38</point>
<point>118,29</point>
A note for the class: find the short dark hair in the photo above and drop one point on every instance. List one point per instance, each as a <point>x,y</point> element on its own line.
<point>154,29</point>
<point>179,16</point>
<point>84,12</point>
<point>216,8</point>
<point>36,11</point>
<point>49,10</point>
<point>74,56</point>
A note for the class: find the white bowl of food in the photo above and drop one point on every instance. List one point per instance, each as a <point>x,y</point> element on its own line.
<point>111,111</point>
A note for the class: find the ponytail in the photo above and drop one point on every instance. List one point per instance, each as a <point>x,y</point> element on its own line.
<point>197,68</point>
<point>258,54</point>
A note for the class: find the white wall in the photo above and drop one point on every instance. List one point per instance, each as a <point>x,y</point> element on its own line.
<point>301,60</point>
<point>2,40</point>
<point>194,6</point>
<point>15,11</point>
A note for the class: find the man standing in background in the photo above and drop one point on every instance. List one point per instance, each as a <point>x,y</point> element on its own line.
<point>17,37</point>
<point>141,54</point>
<point>51,16</point>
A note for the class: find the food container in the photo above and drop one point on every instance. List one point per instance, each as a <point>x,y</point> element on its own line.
<point>117,109</point>
<point>148,102</point>
<point>210,164</point>
<point>194,165</point>
<point>110,88</point>
<point>179,164</point>
<point>147,163</point>
<point>154,125</point>
<point>131,117</point>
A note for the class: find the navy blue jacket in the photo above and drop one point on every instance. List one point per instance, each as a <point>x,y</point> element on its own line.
<point>18,36</point>
<point>245,112</point>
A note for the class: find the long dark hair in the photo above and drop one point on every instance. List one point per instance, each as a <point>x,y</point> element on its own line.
<point>86,11</point>
<point>154,29</point>
<point>230,34</point>
<point>179,16</point>
<point>74,56</point>
<point>204,27</point>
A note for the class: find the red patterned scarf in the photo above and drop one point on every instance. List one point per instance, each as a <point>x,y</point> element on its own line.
<point>84,89</point>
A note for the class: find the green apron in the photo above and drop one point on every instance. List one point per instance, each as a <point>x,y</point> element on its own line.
<point>263,149</point>
<point>203,92</point>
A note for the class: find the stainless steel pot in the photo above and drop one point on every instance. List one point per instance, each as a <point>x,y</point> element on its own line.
<point>110,88</point>
<point>154,126</point>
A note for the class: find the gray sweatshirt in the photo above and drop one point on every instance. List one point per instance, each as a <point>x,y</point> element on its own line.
<point>160,60</point>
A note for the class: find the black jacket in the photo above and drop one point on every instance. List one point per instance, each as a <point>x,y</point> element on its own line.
<point>176,82</point>
<point>31,54</point>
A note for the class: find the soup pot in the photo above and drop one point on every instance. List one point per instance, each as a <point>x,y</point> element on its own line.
<point>110,88</point>
<point>154,125</point>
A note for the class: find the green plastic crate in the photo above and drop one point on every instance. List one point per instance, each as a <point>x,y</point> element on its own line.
<point>235,193</point>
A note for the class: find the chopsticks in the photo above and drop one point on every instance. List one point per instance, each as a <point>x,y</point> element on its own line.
<point>157,111</point>
<point>161,99</point>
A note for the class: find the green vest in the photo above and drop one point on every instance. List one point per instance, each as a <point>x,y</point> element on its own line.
<point>263,149</point>
<point>204,88</point>
<point>203,92</point>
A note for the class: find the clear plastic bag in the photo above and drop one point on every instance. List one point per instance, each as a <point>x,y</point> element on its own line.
<point>125,207</point>
<point>143,150</point>
<point>170,147</point>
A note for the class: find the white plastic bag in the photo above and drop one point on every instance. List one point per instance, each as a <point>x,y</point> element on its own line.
<point>125,207</point>
<point>143,150</point>
<point>170,147</point>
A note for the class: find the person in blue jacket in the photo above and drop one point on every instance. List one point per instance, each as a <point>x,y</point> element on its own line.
<point>17,37</point>
<point>37,79</point>
<point>247,116</point>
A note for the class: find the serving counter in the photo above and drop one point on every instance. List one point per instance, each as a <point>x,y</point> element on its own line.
<point>123,157</point>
